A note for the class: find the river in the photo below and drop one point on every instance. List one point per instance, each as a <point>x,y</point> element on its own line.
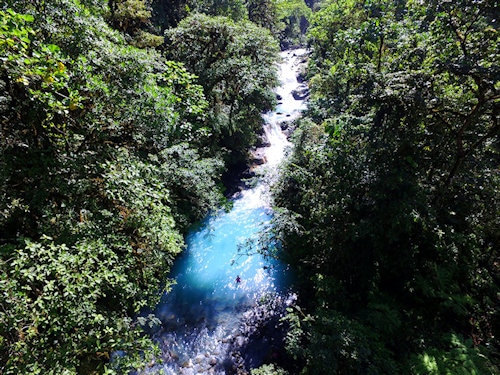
<point>223,315</point>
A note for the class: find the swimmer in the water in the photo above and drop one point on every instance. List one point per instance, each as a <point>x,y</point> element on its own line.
<point>238,279</point>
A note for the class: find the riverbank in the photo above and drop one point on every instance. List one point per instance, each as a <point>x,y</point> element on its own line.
<point>224,316</point>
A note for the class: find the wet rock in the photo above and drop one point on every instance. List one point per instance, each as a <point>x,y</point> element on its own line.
<point>261,332</point>
<point>257,157</point>
<point>301,93</point>
<point>289,131</point>
<point>259,160</point>
<point>263,141</point>
<point>301,77</point>
<point>240,341</point>
<point>212,361</point>
<point>187,371</point>
<point>173,355</point>
<point>239,364</point>
<point>248,174</point>
<point>291,300</point>
<point>279,97</point>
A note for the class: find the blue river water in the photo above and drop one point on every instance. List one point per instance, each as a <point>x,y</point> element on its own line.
<point>225,289</point>
<point>221,271</point>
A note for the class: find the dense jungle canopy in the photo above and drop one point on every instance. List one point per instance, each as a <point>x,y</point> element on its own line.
<point>120,120</point>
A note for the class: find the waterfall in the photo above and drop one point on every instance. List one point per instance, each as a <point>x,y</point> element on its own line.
<point>228,296</point>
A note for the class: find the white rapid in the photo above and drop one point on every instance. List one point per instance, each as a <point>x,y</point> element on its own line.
<point>223,316</point>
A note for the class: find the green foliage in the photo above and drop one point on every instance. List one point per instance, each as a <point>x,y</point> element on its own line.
<point>65,308</point>
<point>233,9</point>
<point>192,181</point>
<point>293,16</point>
<point>337,345</point>
<point>133,18</point>
<point>137,190</point>
<point>14,26</point>
<point>235,66</point>
<point>104,159</point>
<point>168,13</point>
<point>39,72</point>
<point>71,25</point>
<point>286,19</point>
<point>144,39</point>
<point>460,357</point>
<point>268,370</point>
<point>264,13</point>
<point>389,202</point>
<point>126,12</point>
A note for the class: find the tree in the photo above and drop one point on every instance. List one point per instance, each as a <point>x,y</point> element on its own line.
<point>285,19</point>
<point>391,174</point>
<point>264,13</point>
<point>90,208</point>
<point>293,16</point>
<point>234,62</point>
<point>168,13</point>
<point>233,9</point>
<point>133,18</point>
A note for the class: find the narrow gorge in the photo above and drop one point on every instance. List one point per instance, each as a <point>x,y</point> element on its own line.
<point>223,315</point>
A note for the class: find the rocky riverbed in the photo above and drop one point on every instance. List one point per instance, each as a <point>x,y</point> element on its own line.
<point>257,340</point>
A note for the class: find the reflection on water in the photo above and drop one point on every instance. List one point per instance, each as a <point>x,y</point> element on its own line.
<point>224,313</point>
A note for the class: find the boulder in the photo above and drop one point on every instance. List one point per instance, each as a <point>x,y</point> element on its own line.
<point>259,160</point>
<point>263,141</point>
<point>301,92</point>
<point>301,77</point>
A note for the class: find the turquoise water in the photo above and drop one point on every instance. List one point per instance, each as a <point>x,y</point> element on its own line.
<point>221,278</point>
<point>224,248</point>
<point>225,308</point>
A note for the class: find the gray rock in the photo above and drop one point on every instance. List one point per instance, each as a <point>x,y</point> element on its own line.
<point>301,93</point>
<point>301,77</point>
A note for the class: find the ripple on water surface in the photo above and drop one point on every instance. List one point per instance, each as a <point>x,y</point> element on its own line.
<point>202,316</point>
<point>226,291</point>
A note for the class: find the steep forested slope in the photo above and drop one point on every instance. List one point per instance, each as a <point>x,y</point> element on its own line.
<point>108,152</point>
<point>389,204</point>
<point>88,210</point>
<point>114,140</point>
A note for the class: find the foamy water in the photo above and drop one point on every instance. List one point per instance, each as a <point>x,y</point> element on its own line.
<point>202,316</point>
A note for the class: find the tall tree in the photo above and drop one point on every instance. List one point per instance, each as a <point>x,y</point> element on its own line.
<point>394,184</point>
<point>91,208</point>
<point>235,63</point>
